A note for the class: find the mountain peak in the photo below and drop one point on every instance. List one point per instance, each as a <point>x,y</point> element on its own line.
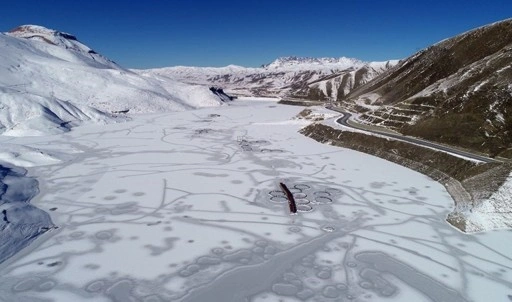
<point>68,42</point>
<point>290,61</point>
<point>39,32</point>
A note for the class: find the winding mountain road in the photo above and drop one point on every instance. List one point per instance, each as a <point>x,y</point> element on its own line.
<point>343,121</point>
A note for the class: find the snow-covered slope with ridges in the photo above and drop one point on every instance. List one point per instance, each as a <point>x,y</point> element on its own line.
<point>300,77</point>
<point>49,81</point>
<point>29,114</point>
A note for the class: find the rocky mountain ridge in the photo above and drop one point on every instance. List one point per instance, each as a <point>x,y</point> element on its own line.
<point>296,77</point>
<point>291,61</point>
<point>457,91</point>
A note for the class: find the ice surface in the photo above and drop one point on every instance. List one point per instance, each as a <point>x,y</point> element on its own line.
<point>185,207</point>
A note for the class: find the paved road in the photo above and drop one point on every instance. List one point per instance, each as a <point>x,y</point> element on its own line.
<point>346,116</point>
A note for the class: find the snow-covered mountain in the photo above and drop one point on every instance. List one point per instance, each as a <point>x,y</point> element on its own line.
<point>458,91</point>
<point>301,77</point>
<point>80,52</point>
<point>49,81</point>
<point>301,63</point>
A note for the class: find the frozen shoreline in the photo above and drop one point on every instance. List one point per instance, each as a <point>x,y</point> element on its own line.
<point>16,191</point>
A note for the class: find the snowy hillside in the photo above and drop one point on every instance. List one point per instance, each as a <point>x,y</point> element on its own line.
<point>65,42</point>
<point>49,81</point>
<point>310,78</point>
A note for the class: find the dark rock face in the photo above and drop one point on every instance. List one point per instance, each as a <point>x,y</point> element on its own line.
<point>219,92</point>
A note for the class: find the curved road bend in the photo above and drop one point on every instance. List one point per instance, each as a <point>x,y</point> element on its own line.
<point>346,116</point>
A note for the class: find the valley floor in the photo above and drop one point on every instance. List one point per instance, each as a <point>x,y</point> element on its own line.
<point>186,206</point>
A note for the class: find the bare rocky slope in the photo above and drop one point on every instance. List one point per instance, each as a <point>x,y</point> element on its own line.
<point>458,91</point>
<point>290,77</point>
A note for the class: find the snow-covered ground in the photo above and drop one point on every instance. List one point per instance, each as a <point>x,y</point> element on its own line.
<point>493,212</point>
<point>186,206</point>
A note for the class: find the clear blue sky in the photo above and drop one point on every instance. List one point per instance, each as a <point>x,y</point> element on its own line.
<point>151,33</point>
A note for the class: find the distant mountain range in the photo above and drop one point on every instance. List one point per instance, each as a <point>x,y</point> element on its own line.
<point>49,82</point>
<point>298,77</point>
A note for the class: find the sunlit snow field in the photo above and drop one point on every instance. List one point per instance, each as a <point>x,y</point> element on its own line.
<point>186,206</point>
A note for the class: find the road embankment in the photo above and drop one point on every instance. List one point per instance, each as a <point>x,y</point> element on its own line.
<point>468,182</point>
